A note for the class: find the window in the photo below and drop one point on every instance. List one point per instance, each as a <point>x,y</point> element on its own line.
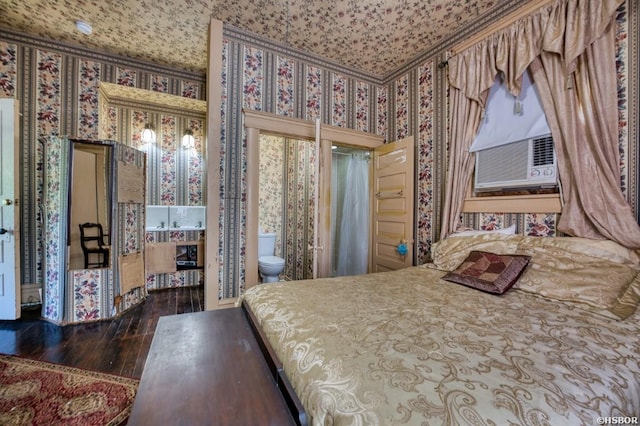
<point>515,157</point>
<point>514,147</point>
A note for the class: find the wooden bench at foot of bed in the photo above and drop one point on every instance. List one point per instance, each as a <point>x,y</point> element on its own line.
<point>208,368</point>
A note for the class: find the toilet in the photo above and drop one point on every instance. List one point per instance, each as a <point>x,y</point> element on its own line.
<point>269,266</point>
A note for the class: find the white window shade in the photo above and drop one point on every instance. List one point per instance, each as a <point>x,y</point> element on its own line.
<point>510,119</point>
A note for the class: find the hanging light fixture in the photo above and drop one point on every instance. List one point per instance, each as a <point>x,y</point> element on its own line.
<point>149,133</point>
<point>188,140</point>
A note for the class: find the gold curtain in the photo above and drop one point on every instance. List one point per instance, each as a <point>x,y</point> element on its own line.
<point>569,45</point>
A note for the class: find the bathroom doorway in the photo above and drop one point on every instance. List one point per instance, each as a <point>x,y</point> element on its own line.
<point>260,123</point>
<point>287,191</point>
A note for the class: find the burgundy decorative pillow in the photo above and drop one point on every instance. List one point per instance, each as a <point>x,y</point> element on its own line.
<point>493,273</point>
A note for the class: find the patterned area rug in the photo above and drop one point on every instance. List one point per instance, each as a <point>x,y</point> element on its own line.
<point>41,393</point>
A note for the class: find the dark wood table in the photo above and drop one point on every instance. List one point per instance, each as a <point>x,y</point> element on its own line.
<point>206,368</point>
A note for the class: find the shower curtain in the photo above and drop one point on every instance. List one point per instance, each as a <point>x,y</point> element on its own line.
<point>353,244</point>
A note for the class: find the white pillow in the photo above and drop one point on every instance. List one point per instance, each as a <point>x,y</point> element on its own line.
<point>511,230</point>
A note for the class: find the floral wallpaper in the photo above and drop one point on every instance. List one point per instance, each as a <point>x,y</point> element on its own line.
<point>257,75</point>
<point>86,294</point>
<point>253,78</point>
<point>55,199</point>
<point>376,36</point>
<point>622,47</point>
<point>285,102</point>
<point>63,100</point>
<point>402,108</point>
<point>88,84</point>
<point>339,101</point>
<point>271,183</point>
<point>314,92</point>
<point>425,163</point>
<point>362,107</point>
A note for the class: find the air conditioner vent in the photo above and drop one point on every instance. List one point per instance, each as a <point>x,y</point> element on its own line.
<point>543,151</point>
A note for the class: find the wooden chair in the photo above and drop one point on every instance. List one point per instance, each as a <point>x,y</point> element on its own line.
<point>92,242</point>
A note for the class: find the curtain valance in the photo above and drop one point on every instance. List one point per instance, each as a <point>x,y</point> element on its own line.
<point>564,27</point>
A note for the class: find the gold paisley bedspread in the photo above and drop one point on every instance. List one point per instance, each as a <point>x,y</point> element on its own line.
<point>405,347</point>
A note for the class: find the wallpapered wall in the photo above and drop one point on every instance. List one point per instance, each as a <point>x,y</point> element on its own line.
<point>57,87</point>
<point>413,102</point>
<point>262,76</point>
<point>418,102</point>
<point>286,193</point>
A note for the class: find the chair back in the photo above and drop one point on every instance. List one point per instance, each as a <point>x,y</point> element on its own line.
<point>91,235</point>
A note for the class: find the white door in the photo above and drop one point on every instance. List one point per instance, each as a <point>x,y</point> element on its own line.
<point>393,205</point>
<point>9,212</point>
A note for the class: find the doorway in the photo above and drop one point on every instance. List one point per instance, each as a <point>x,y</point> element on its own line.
<point>257,123</point>
<point>287,175</point>
<point>287,192</point>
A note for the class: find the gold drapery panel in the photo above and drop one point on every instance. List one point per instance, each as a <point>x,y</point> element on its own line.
<point>569,45</point>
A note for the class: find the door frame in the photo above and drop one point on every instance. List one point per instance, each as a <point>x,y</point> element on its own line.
<point>257,122</point>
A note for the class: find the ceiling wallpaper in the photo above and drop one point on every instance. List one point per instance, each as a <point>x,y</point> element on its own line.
<point>372,36</point>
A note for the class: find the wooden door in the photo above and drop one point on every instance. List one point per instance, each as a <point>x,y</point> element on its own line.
<point>160,258</point>
<point>9,211</point>
<point>393,177</point>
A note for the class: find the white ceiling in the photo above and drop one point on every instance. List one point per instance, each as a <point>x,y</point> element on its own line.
<point>372,36</point>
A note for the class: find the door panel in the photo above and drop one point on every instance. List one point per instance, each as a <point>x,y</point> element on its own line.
<point>393,201</point>
<point>9,211</point>
<point>390,206</point>
<point>160,258</point>
<point>393,181</point>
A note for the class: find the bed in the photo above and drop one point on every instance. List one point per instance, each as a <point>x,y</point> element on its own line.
<point>560,346</point>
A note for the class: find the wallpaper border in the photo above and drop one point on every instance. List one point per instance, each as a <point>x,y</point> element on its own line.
<point>246,37</point>
<point>87,54</point>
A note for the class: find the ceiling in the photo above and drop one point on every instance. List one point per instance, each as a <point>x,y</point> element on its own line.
<point>372,36</point>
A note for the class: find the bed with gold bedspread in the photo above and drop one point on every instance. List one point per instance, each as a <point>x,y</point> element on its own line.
<point>407,347</point>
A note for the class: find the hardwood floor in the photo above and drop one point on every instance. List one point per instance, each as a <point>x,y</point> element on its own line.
<point>119,346</point>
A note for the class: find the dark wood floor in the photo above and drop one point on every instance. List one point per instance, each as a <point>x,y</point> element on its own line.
<point>118,346</point>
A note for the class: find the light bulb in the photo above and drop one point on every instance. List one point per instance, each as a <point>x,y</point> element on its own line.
<point>149,134</point>
<point>188,141</point>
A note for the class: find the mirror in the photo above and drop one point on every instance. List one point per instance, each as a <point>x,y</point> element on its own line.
<point>90,199</point>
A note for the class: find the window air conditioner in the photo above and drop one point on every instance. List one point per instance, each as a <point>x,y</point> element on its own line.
<point>530,163</point>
